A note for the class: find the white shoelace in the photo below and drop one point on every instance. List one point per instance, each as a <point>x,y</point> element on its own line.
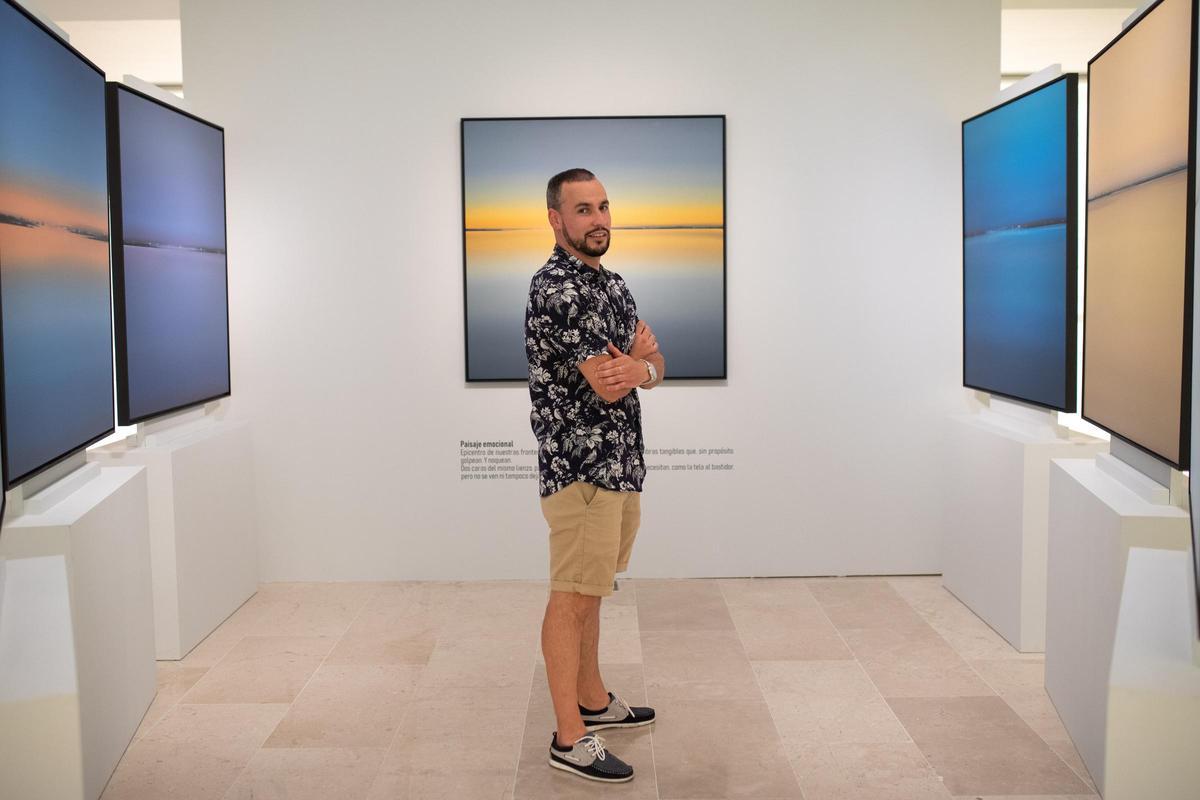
<point>594,745</point>
<point>624,705</point>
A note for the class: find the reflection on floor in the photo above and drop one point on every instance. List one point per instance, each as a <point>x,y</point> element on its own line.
<point>855,688</point>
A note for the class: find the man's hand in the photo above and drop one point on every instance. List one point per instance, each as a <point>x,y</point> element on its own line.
<point>644,342</point>
<point>623,372</point>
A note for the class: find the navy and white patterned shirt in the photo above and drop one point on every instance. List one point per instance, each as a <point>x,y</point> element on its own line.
<point>574,311</point>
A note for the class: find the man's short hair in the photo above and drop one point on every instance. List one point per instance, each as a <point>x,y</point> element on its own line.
<point>554,187</point>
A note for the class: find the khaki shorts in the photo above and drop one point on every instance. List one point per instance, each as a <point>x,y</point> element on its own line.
<point>591,536</point>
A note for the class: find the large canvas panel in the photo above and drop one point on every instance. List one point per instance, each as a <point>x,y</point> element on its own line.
<point>1019,228</point>
<point>172,321</point>
<point>1137,348</point>
<point>54,250</point>
<point>665,178</point>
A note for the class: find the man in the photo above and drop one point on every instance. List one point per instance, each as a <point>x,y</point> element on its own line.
<point>588,356</point>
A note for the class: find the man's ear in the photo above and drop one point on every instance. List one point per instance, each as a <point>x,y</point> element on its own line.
<point>555,218</point>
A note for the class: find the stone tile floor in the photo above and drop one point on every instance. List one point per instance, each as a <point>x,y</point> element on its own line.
<point>822,688</point>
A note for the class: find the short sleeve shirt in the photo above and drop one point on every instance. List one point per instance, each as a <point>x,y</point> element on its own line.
<point>574,311</point>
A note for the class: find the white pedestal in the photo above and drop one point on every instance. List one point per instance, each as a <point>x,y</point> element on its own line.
<point>1094,521</point>
<point>204,551</point>
<point>997,506</point>
<point>1154,686</point>
<point>92,550</point>
<point>39,696</point>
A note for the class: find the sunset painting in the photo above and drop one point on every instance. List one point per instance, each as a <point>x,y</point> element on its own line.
<point>665,178</point>
<point>54,278</point>
<point>1139,229</point>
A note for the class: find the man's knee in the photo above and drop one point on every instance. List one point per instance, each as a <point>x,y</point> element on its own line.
<point>574,603</point>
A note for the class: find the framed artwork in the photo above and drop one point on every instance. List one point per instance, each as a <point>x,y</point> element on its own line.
<point>55,309</point>
<point>1020,263</point>
<point>170,288</point>
<point>1141,187</point>
<point>665,180</point>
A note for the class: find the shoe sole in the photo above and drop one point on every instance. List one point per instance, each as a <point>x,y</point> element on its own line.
<point>606,725</point>
<point>573,771</point>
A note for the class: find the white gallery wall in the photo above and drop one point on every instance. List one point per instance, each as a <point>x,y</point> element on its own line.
<point>844,287</point>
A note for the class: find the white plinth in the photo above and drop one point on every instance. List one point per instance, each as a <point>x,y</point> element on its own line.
<point>97,539</point>
<point>1154,685</point>
<point>1094,521</point>
<point>39,696</point>
<point>204,551</point>
<point>997,505</point>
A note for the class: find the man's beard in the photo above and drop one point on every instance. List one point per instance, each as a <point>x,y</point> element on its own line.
<point>585,246</point>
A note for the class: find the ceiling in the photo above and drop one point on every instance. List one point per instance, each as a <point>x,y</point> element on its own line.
<point>169,9</point>
<point>1033,38</point>
<point>1069,3</point>
<point>106,9</point>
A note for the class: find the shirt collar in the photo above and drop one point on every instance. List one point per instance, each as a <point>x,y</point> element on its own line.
<point>568,260</point>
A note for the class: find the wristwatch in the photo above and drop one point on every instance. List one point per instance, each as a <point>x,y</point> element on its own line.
<point>653,372</point>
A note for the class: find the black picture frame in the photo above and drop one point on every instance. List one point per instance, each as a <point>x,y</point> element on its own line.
<point>724,372</point>
<point>11,481</point>
<point>1071,262</point>
<point>1185,400</point>
<point>116,235</point>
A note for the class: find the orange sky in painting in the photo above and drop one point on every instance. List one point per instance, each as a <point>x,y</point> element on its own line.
<point>533,215</point>
<point>30,204</point>
<point>30,248</point>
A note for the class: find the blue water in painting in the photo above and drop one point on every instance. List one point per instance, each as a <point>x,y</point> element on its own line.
<point>676,278</point>
<point>175,321</point>
<point>686,312</point>
<point>54,276</point>
<point>57,365</point>
<point>1015,304</point>
<point>173,218</point>
<point>1015,333</point>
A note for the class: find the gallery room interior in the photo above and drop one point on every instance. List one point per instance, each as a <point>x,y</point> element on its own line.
<point>871,321</point>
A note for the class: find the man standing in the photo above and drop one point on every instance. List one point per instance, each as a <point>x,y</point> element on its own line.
<point>588,356</point>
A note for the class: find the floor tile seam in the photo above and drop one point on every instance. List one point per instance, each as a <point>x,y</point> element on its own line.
<point>1086,780</point>
<point>408,709</point>
<point>178,701</point>
<point>210,668</point>
<point>966,661</point>
<point>654,764</point>
<point>763,699</point>
<point>516,771</point>
<point>258,749</point>
<point>925,758</point>
<point>399,725</point>
<point>313,674</point>
<point>995,693</point>
<point>161,717</point>
<point>224,655</point>
<point>925,616</point>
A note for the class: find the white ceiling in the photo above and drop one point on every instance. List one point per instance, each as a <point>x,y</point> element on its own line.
<point>151,49</point>
<point>169,9</point>
<point>1035,33</point>
<point>1067,4</point>
<point>1031,39</point>
<point>106,9</point>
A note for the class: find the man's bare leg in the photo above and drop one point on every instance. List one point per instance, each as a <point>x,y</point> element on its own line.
<point>592,694</point>
<point>562,631</point>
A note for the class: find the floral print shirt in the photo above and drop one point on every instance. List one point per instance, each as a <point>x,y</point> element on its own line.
<point>574,311</point>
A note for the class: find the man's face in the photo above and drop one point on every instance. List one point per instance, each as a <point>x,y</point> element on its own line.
<point>584,218</point>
